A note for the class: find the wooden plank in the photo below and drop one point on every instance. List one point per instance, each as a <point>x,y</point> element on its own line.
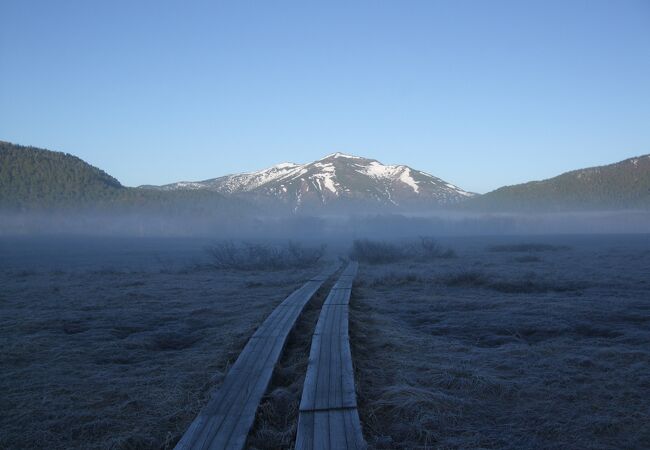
<point>329,382</point>
<point>328,417</point>
<point>347,277</point>
<point>225,421</point>
<point>338,297</point>
<point>338,429</point>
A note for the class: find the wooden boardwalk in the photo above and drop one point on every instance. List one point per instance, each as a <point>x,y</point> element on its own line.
<point>328,418</point>
<point>226,420</point>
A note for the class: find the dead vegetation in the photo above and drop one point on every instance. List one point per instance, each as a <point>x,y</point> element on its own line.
<point>443,359</point>
<point>384,252</point>
<point>527,247</point>
<point>526,284</point>
<point>122,355</point>
<point>246,256</point>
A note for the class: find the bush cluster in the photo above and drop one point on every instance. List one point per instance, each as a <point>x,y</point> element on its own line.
<point>381,252</point>
<point>258,256</point>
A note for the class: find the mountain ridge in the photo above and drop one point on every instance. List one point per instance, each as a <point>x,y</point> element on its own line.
<point>332,181</point>
<point>619,185</point>
<point>33,178</point>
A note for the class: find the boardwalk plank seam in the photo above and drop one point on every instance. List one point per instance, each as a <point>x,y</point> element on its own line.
<point>225,421</point>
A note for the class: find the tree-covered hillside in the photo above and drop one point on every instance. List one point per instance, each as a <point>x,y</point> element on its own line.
<point>623,185</point>
<point>34,179</point>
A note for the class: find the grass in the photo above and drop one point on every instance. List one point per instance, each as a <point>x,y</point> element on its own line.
<point>528,259</point>
<point>477,351</point>
<point>452,363</point>
<point>122,355</point>
<point>527,283</point>
<point>527,247</point>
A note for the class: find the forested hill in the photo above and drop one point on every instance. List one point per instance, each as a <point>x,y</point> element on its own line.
<point>31,176</point>
<point>37,179</point>
<point>34,179</point>
<point>623,185</point>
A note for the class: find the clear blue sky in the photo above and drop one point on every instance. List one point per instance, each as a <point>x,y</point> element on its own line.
<point>481,93</point>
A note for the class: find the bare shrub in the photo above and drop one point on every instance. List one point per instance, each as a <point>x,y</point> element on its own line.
<point>258,256</point>
<point>429,248</point>
<point>376,252</point>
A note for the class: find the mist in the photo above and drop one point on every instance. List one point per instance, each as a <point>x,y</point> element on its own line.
<point>325,227</point>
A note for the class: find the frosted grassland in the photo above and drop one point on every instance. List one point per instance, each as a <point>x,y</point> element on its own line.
<point>520,342</point>
<point>117,343</point>
<point>507,346</point>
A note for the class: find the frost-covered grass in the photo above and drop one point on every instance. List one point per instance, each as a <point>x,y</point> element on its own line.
<point>527,247</point>
<point>506,355</point>
<point>117,345</point>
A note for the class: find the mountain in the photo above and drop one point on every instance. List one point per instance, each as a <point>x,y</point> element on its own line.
<point>623,185</point>
<point>37,179</point>
<point>32,176</point>
<point>335,181</point>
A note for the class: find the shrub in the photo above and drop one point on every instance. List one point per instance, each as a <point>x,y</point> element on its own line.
<point>378,252</point>
<point>375,252</point>
<point>257,256</point>
<point>430,249</point>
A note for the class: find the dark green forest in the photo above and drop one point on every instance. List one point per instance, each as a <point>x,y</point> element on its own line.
<point>33,179</point>
<point>623,185</point>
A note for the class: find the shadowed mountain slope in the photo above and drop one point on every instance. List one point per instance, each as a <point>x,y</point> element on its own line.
<point>34,179</point>
<point>623,185</point>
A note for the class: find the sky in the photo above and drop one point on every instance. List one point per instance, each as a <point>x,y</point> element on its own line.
<point>479,93</point>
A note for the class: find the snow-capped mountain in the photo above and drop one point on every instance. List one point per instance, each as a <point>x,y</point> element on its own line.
<point>336,180</point>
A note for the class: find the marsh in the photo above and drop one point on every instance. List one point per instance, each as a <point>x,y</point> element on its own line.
<point>487,342</point>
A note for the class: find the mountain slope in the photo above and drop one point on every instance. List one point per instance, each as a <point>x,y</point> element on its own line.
<point>622,185</point>
<point>37,179</point>
<point>32,176</point>
<point>337,180</point>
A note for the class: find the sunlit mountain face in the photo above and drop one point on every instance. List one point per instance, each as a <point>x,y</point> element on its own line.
<point>337,180</point>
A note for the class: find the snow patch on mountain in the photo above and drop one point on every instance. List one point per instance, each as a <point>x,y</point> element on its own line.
<point>406,178</point>
<point>336,177</point>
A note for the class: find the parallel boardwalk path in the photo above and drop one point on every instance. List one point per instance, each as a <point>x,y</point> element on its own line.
<point>328,409</point>
<point>226,420</point>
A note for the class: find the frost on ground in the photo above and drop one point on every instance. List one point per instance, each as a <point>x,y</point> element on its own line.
<point>494,350</point>
<point>118,344</point>
<point>500,343</point>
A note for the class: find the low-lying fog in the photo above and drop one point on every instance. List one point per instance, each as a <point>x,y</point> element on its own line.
<point>323,227</point>
<point>495,331</point>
